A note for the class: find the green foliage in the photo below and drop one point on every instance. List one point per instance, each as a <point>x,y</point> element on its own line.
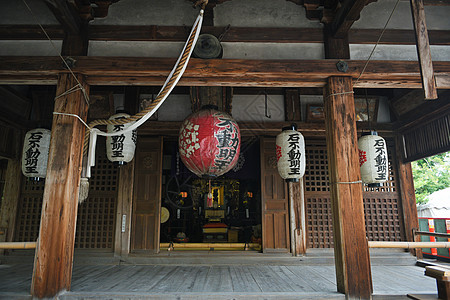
<point>431,174</point>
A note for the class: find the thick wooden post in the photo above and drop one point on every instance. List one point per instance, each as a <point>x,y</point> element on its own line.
<point>423,50</point>
<point>407,195</point>
<point>350,245</point>
<point>54,254</point>
<point>124,210</point>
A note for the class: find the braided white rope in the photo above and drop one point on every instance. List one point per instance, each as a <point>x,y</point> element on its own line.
<point>94,132</point>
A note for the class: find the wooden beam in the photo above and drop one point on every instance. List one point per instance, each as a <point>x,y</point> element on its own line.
<point>346,15</point>
<point>66,14</point>
<point>335,47</point>
<point>257,129</point>
<point>155,33</point>
<point>423,50</point>
<point>407,194</point>
<point>216,72</point>
<point>54,255</point>
<point>350,245</point>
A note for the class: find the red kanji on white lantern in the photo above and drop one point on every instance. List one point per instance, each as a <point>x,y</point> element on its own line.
<point>209,142</point>
<point>373,159</point>
<point>290,150</point>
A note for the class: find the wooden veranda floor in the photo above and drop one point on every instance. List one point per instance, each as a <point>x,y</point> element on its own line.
<point>217,276</point>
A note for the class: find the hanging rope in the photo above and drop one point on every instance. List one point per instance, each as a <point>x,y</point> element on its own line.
<point>139,118</point>
<point>378,41</point>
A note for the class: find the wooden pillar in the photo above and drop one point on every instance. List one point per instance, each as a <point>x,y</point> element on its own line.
<point>124,210</point>
<point>298,218</point>
<point>350,245</point>
<point>54,253</point>
<point>407,195</point>
<point>11,194</point>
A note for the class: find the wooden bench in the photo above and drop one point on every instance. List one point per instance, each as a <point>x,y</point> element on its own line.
<point>442,275</point>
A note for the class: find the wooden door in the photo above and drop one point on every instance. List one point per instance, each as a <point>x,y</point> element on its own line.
<point>275,205</point>
<point>147,195</point>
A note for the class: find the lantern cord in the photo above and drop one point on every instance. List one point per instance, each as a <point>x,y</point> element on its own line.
<point>86,98</point>
<point>347,182</point>
<point>73,115</point>
<point>376,44</point>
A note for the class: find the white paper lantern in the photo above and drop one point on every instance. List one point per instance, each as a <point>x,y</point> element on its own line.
<point>291,160</point>
<point>120,148</point>
<point>373,159</point>
<point>35,153</point>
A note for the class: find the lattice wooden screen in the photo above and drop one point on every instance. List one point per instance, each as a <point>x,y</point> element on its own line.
<point>96,215</point>
<point>381,205</point>
<point>29,212</point>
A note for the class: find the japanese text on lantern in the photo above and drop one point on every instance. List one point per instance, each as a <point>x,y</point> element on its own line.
<point>32,154</point>
<point>227,142</point>
<point>380,159</point>
<point>294,154</point>
<point>117,142</point>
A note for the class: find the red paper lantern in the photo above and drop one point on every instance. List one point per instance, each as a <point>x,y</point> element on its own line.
<point>209,142</point>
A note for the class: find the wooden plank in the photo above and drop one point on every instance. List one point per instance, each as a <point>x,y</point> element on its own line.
<point>124,209</point>
<point>352,267</point>
<point>294,282</point>
<point>147,195</point>
<point>315,277</point>
<point>423,50</point>
<point>218,280</point>
<point>226,72</point>
<point>54,254</point>
<point>275,202</point>
<point>410,220</point>
<point>243,280</point>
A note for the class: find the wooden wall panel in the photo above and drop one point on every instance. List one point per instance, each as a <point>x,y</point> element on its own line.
<point>96,215</point>
<point>381,205</point>
<point>275,205</point>
<point>147,195</point>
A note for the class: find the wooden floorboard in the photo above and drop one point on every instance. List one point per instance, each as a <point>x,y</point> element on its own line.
<point>243,280</point>
<point>255,279</point>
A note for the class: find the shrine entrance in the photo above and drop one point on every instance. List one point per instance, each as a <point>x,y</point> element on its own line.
<point>220,214</point>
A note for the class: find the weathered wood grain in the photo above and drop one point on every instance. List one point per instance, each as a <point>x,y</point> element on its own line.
<point>10,201</point>
<point>54,254</point>
<point>407,194</point>
<point>423,50</point>
<point>124,208</point>
<point>225,72</point>
<point>350,244</point>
